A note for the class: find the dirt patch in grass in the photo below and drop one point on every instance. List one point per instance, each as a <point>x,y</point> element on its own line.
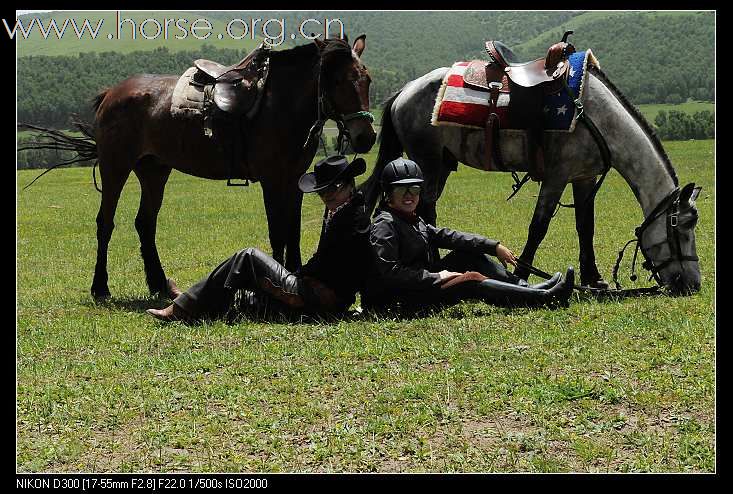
<point>505,442</point>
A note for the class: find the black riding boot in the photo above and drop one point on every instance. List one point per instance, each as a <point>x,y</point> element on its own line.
<point>546,285</point>
<point>501,293</point>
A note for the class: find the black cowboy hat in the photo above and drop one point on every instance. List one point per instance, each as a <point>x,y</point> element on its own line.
<point>329,170</point>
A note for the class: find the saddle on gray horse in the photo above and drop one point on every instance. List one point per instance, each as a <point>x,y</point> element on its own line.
<point>528,83</point>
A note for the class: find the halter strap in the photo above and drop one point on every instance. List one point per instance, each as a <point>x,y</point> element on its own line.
<point>660,208</point>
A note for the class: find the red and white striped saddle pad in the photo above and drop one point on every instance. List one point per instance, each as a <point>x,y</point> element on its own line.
<point>463,106</point>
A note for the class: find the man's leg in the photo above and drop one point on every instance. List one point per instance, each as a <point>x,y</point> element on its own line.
<point>461,262</point>
<point>509,294</point>
<point>248,269</point>
<point>468,261</point>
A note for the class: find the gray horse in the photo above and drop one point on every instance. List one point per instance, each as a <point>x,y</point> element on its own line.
<point>636,153</point>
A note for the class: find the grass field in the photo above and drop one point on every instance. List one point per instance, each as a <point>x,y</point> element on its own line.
<point>626,385</point>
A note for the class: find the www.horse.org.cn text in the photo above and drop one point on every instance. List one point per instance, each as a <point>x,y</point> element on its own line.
<point>273,32</point>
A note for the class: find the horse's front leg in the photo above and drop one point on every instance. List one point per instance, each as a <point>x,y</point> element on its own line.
<point>283,202</point>
<point>585,225</point>
<point>292,242</point>
<point>550,193</point>
<point>276,218</point>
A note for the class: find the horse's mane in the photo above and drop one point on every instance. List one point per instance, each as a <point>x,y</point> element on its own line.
<point>636,114</point>
<point>335,47</point>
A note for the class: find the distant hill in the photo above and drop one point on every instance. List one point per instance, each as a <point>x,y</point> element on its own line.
<point>653,57</point>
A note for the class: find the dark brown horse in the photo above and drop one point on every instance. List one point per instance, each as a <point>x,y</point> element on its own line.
<point>135,132</point>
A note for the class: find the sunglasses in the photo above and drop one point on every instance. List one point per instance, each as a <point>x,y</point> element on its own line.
<point>401,190</point>
<point>331,189</point>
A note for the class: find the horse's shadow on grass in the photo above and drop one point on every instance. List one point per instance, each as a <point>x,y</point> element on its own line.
<point>460,310</point>
<point>478,308</point>
<point>130,304</point>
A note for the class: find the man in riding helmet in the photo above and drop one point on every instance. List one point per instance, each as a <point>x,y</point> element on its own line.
<point>408,268</point>
<point>327,283</point>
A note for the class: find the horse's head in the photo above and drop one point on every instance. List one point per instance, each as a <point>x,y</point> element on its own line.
<point>345,87</point>
<point>667,241</point>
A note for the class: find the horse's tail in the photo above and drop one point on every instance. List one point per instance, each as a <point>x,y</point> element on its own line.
<point>390,148</point>
<point>85,147</point>
<point>98,99</point>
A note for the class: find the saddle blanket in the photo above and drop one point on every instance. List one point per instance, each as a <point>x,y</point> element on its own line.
<point>187,98</point>
<point>462,106</point>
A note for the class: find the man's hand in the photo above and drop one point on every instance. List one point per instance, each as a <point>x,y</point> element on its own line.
<point>447,275</point>
<point>278,292</point>
<point>467,276</point>
<point>505,256</point>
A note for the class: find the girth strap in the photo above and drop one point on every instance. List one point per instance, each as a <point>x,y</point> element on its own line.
<point>491,131</point>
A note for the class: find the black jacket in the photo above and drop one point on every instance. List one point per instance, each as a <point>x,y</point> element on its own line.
<point>343,258</point>
<point>406,257</point>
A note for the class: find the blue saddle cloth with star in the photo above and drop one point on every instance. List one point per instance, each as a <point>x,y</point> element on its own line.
<point>559,110</point>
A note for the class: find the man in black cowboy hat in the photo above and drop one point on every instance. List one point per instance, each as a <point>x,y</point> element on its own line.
<point>327,283</point>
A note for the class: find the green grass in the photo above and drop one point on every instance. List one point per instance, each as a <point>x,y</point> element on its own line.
<point>625,385</point>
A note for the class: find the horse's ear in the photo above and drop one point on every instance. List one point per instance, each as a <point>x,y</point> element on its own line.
<point>320,44</point>
<point>695,194</point>
<point>689,193</point>
<point>360,44</point>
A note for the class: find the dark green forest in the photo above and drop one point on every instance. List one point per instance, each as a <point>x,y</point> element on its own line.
<point>50,89</point>
<point>651,58</point>
<point>676,125</point>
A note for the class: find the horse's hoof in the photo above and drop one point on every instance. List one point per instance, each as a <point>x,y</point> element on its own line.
<point>521,273</point>
<point>599,284</point>
<point>101,296</point>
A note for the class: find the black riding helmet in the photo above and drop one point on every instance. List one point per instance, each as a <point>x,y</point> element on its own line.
<point>401,172</point>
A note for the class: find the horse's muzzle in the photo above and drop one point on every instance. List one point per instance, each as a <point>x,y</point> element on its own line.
<point>681,287</point>
<point>363,142</point>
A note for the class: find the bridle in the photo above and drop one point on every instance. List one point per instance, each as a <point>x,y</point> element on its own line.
<point>669,207</point>
<point>325,111</point>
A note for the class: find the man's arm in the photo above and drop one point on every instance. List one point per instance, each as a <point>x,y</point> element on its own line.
<point>445,238</point>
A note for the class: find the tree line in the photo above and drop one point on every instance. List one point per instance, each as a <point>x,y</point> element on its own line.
<point>677,125</point>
